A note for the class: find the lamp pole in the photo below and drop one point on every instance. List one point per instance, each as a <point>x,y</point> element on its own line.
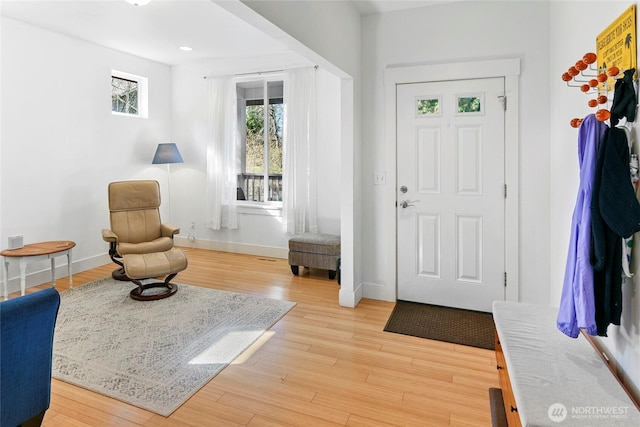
<point>167,153</point>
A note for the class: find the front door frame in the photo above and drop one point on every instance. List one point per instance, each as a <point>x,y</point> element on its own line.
<point>510,70</point>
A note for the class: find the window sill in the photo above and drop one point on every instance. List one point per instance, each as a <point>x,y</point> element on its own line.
<point>139,116</point>
<point>248,208</point>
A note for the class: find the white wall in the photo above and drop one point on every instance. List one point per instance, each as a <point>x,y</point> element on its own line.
<point>573,28</point>
<point>259,231</point>
<point>328,33</point>
<point>61,145</point>
<point>461,31</point>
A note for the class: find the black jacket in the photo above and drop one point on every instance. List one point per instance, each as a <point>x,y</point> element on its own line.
<point>615,213</point>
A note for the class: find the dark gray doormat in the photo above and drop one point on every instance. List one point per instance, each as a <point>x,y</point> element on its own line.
<point>454,325</point>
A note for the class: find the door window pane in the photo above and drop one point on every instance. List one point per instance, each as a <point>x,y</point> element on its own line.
<point>469,104</point>
<point>428,107</point>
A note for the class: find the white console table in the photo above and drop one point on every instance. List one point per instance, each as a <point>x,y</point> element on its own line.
<point>36,252</point>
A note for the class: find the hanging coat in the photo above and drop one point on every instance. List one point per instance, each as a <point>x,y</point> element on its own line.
<point>624,99</point>
<point>577,305</point>
<point>615,213</point>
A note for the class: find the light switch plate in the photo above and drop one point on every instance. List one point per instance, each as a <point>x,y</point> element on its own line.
<point>379,178</point>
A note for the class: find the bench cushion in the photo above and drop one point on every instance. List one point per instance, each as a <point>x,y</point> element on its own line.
<point>315,243</point>
<point>548,369</point>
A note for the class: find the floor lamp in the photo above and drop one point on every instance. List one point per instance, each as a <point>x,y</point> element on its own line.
<point>167,153</point>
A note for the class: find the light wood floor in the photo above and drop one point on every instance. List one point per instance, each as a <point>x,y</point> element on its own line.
<point>321,365</point>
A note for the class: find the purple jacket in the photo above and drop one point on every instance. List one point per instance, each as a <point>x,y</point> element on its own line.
<point>577,306</point>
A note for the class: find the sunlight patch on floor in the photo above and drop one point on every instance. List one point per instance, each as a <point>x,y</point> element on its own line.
<point>224,350</point>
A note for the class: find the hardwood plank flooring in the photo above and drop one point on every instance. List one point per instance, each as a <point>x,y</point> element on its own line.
<point>321,365</point>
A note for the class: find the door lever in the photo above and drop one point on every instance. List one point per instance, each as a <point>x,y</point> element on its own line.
<point>406,203</point>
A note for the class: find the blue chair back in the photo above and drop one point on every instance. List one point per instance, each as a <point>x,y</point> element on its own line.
<point>26,350</point>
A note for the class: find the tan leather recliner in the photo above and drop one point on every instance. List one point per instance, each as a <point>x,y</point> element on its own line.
<point>135,222</point>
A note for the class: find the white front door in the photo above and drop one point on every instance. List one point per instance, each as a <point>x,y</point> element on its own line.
<point>451,193</point>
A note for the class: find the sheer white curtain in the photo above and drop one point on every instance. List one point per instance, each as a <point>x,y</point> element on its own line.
<point>299,210</point>
<point>222,159</point>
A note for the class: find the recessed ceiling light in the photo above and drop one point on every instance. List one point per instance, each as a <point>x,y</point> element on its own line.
<point>185,48</point>
<point>138,2</point>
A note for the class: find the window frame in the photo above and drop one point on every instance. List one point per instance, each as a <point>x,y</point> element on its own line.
<point>143,94</point>
<point>268,206</point>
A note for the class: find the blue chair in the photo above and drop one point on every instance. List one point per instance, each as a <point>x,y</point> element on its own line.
<point>26,351</point>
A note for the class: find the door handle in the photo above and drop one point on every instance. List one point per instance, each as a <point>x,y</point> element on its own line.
<point>407,203</point>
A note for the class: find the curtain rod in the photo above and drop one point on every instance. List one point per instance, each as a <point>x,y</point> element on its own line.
<point>258,73</point>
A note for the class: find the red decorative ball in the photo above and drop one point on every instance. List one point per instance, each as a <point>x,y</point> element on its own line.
<point>589,57</point>
<point>603,115</point>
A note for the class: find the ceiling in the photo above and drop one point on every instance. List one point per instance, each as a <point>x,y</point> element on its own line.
<point>366,7</point>
<point>157,30</point>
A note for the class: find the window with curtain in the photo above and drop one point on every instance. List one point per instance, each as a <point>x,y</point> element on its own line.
<point>299,202</point>
<point>261,121</point>
<point>263,148</point>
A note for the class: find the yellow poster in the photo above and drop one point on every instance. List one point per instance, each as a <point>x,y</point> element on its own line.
<point>616,46</point>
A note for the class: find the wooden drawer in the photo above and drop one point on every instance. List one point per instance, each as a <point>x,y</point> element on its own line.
<point>510,407</point>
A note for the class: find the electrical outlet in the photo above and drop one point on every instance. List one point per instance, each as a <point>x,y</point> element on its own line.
<point>379,178</point>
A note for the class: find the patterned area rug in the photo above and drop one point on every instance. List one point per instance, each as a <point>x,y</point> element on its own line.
<point>458,326</point>
<point>154,354</point>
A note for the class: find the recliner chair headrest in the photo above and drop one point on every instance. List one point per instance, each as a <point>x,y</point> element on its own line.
<point>134,195</point>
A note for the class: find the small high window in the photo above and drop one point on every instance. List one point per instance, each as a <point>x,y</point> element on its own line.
<point>128,94</point>
<point>124,95</point>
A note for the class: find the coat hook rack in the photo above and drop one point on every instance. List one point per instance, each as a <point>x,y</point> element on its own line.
<point>595,84</point>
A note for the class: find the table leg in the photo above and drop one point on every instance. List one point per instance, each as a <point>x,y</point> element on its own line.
<point>6,280</point>
<point>23,276</point>
<point>69,269</point>
<point>53,272</point>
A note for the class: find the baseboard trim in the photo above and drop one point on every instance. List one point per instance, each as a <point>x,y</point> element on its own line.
<point>379,291</point>
<point>43,275</point>
<point>239,248</point>
<point>350,299</point>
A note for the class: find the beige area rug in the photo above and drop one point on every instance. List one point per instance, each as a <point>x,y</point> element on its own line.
<point>154,354</point>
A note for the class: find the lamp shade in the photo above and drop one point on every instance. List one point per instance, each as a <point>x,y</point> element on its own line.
<point>167,153</point>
